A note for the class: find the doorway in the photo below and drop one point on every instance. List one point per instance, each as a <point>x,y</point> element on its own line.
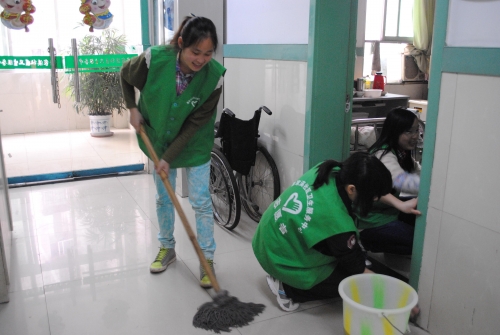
<point>46,138</point>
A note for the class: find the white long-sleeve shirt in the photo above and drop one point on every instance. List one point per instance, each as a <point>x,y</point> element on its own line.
<point>402,181</point>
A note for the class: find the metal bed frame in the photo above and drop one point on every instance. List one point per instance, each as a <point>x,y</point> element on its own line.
<point>376,123</point>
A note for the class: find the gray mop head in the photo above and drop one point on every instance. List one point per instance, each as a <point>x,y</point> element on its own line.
<point>225,312</point>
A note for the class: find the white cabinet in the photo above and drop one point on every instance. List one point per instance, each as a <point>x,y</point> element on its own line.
<point>421,106</point>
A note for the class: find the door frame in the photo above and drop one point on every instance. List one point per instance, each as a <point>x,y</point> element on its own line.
<point>328,101</point>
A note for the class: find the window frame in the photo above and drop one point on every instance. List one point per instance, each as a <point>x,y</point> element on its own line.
<point>395,39</point>
<point>393,78</point>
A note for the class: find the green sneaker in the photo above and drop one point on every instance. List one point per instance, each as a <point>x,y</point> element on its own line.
<point>204,280</point>
<point>165,257</point>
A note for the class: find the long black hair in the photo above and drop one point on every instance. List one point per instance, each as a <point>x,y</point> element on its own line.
<point>194,29</point>
<point>366,172</point>
<point>397,121</point>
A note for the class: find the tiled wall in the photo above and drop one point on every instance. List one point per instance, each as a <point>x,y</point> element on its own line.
<point>26,101</point>
<point>281,86</point>
<point>461,258</point>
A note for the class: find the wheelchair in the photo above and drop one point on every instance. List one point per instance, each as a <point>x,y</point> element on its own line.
<point>242,172</point>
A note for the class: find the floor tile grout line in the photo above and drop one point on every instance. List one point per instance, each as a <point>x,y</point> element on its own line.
<point>43,280</point>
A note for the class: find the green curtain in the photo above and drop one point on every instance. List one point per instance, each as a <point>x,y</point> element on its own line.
<point>423,25</point>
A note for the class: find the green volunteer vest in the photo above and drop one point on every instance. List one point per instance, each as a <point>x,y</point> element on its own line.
<point>295,222</point>
<point>164,112</point>
<point>380,213</point>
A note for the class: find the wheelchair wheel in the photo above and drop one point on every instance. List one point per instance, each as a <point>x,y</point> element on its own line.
<point>261,186</point>
<point>224,191</point>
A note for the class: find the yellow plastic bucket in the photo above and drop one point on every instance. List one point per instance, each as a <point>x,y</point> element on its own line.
<point>376,304</point>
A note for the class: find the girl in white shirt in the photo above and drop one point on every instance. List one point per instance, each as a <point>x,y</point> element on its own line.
<point>385,229</point>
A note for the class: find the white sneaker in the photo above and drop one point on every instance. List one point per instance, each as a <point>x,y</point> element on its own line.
<point>368,264</point>
<point>276,287</point>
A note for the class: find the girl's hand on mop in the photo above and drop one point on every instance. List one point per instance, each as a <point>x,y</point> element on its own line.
<point>162,166</point>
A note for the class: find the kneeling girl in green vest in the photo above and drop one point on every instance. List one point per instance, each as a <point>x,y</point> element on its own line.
<point>180,86</point>
<point>307,241</point>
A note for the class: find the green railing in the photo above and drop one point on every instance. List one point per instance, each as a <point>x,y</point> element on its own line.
<point>86,63</point>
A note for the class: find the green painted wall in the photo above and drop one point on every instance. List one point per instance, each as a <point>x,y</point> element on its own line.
<point>330,73</point>
<point>439,37</point>
<point>480,61</point>
<point>146,43</point>
<point>290,52</point>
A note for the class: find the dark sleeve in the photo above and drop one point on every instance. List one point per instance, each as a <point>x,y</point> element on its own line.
<point>195,121</point>
<point>346,249</point>
<point>134,73</point>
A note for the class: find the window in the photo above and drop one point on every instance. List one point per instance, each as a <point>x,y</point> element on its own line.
<point>390,60</point>
<point>59,20</point>
<point>389,22</point>
<point>398,21</point>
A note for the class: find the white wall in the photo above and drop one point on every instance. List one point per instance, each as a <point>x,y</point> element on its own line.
<point>459,287</point>
<point>267,22</point>
<point>416,91</point>
<point>473,24</point>
<point>26,101</point>
<point>461,264</point>
<point>279,85</point>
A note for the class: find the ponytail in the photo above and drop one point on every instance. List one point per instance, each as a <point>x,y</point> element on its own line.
<point>324,172</point>
<point>174,41</point>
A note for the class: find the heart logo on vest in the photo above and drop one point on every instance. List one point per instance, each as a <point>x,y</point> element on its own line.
<point>193,101</point>
<point>296,205</point>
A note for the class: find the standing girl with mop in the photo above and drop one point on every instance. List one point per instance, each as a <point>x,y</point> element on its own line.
<point>180,86</point>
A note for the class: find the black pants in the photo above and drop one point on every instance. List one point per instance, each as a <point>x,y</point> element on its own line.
<point>394,237</point>
<point>327,289</point>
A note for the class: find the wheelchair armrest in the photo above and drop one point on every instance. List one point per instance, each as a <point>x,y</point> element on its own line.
<point>228,112</point>
<point>267,110</point>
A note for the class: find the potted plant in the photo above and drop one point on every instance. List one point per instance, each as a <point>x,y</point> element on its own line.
<point>100,92</point>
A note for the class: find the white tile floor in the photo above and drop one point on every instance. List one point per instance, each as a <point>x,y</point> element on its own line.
<point>49,152</point>
<point>80,265</point>
<point>81,252</point>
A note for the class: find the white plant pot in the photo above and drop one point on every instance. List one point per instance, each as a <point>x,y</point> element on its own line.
<point>100,125</point>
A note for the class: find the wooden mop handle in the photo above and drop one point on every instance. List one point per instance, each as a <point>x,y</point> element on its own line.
<point>178,207</point>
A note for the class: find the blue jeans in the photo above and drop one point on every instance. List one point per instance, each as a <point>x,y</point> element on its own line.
<point>199,197</point>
